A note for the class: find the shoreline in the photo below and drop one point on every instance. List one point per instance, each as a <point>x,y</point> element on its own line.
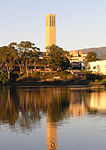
<point>52,84</point>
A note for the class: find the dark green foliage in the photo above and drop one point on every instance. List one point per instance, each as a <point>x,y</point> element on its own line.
<point>63,75</point>
<point>17,57</point>
<point>36,76</point>
<point>93,77</point>
<point>21,62</point>
<point>91,56</point>
<point>14,76</point>
<point>28,55</point>
<point>8,57</point>
<point>30,78</point>
<point>3,77</point>
<point>57,58</point>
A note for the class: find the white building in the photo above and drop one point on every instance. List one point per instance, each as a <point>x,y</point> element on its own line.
<point>98,67</point>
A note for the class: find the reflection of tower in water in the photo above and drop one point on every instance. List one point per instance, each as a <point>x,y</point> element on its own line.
<point>51,134</point>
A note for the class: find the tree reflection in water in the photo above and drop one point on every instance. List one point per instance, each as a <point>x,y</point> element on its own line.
<point>24,107</point>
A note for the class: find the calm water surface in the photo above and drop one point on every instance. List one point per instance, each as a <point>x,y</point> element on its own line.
<point>52,119</point>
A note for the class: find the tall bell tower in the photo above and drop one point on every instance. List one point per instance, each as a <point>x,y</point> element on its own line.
<point>50,31</point>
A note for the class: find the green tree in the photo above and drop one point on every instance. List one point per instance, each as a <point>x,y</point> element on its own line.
<point>57,58</point>
<point>44,62</point>
<point>28,55</point>
<point>20,62</point>
<point>8,57</point>
<point>91,56</point>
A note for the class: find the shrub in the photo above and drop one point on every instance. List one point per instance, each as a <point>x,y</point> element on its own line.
<point>3,77</point>
<point>36,76</point>
<point>14,76</point>
<point>93,77</point>
<point>30,77</point>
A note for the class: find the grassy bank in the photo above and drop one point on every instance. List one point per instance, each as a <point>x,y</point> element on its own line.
<point>55,78</point>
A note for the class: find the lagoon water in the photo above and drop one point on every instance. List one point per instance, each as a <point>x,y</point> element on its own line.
<point>52,118</point>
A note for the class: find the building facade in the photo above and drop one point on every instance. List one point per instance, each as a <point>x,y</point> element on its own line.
<point>77,56</point>
<point>98,67</point>
<point>50,31</point>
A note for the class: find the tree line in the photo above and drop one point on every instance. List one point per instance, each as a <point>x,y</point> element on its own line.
<point>24,57</point>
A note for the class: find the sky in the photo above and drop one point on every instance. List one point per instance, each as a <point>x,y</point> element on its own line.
<point>80,23</point>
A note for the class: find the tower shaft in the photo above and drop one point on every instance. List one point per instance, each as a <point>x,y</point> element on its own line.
<point>50,30</point>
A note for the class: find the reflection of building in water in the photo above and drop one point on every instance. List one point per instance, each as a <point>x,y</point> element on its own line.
<point>78,104</point>
<point>51,134</point>
<point>98,100</point>
<point>77,109</point>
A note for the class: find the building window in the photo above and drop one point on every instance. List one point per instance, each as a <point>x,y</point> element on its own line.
<point>98,66</point>
<point>50,20</point>
<point>54,21</point>
<point>94,67</point>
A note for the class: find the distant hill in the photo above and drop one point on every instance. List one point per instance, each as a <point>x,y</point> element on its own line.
<point>101,51</point>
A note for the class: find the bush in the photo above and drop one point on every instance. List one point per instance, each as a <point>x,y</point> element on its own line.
<point>63,75</point>
<point>93,77</point>
<point>14,76</point>
<point>46,75</point>
<point>30,77</point>
<point>36,76</point>
<point>3,77</point>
